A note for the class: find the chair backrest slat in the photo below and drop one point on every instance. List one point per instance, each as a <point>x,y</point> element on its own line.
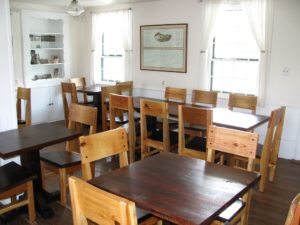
<point>126,87</point>
<point>204,97</point>
<point>235,142</point>
<point>242,102</point>
<point>102,145</point>
<point>175,94</point>
<point>68,89</point>
<point>24,94</point>
<point>101,207</point>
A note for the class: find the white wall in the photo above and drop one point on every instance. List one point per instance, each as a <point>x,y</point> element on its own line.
<point>7,93</point>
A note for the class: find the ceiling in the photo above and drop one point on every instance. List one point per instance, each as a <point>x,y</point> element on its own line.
<point>86,3</point>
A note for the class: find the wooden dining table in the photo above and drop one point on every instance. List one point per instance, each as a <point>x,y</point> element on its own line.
<point>27,142</point>
<point>221,116</point>
<point>178,189</point>
<point>95,91</point>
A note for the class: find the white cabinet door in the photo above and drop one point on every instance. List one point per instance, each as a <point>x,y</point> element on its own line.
<point>46,104</point>
<point>56,104</point>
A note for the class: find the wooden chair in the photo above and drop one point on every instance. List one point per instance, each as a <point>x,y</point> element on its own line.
<point>15,180</point>
<point>98,206</point>
<point>103,145</point>
<point>125,104</point>
<point>24,94</point>
<point>126,87</point>
<point>105,92</point>
<point>80,82</point>
<point>204,97</point>
<point>267,154</point>
<point>242,102</point>
<point>192,122</point>
<point>155,140</point>
<point>67,162</point>
<point>68,92</point>
<point>175,94</point>
<point>238,143</point>
<point>293,217</point>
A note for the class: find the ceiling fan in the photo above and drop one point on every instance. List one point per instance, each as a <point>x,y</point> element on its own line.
<point>74,8</point>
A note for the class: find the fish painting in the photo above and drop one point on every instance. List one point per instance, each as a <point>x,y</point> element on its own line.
<point>162,37</point>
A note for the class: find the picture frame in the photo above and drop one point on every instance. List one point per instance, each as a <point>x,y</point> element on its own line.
<point>164,47</point>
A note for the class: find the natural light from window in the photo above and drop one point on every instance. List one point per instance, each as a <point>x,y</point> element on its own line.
<point>235,55</point>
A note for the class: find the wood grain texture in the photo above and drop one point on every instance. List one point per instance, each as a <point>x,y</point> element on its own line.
<point>177,188</point>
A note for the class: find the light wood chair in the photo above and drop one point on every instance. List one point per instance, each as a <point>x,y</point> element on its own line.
<point>15,180</point>
<point>293,217</point>
<point>242,102</point>
<point>126,87</point>
<point>200,97</point>
<point>125,104</point>
<point>192,123</point>
<point>267,154</point>
<point>24,95</point>
<point>155,140</point>
<point>69,96</point>
<point>103,145</point>
<point>105,92</point>
<point>98,206</point>
<point>80,82</point>
<point>238,143</point>
<point>67,162</point>
<point>175,94</point>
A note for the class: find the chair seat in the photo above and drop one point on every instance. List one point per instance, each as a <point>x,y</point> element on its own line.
<point>142,215</point>
<point>12,174</point>
<point>259,150</point>
<point>229,213</point>
<point>197,143</point>
<point>158,136</point>
<point>61,159</point>
<point>21,122</point>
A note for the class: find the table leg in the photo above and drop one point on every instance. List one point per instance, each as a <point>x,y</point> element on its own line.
<point>31,161</point>
<point>97,103</point>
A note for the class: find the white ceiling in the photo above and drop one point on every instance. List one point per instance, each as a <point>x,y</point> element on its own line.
<point>86,3</point>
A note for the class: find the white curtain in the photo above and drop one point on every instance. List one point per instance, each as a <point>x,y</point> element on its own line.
<point>210,13</point>
<point>260,16</point>
<point>118,22</point>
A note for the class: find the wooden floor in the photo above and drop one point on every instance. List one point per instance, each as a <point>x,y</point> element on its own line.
<point>267,208</point>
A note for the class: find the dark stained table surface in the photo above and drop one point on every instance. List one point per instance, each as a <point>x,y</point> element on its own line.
<point>179,189</point>
<point>35,137</point>
<point>90,90</point>
<point>221,116</point>
<point>27,142</point>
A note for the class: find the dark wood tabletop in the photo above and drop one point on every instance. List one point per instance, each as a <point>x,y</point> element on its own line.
<point>179,189</point>
<point>31,138</point>
<point>221,116</point>
<point>27,142</point>
<point>90,90</point>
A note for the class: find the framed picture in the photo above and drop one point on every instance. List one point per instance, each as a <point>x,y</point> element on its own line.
<point>164,47</point>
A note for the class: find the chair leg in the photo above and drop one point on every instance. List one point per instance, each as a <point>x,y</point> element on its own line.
<point>43,177</point>
<point>63,186</point>
<point>247,199</point>
<point>31,208</point>
<point>263,178</point>
<point>272,172</point>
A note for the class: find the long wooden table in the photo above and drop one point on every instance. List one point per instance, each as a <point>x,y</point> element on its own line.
<point>27,142</point>
<point>221,116</point>
<point>178,189</point>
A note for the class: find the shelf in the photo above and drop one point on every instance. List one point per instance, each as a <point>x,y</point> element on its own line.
<point>46,34</point>
<point>46,49</point>
<point>46,64</point>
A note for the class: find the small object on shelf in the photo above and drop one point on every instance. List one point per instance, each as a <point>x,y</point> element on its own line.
<point>55,73</point>
<point>41,77</point>
<point>33,57</point>
<point>44,61</point>
<point>54,59</point>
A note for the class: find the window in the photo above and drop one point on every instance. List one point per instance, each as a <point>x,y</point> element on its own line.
<point>111,46</point>
<point>235,55</point>
<point>112,58</point>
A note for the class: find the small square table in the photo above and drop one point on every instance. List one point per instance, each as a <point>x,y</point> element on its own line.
<point>179,189</point>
